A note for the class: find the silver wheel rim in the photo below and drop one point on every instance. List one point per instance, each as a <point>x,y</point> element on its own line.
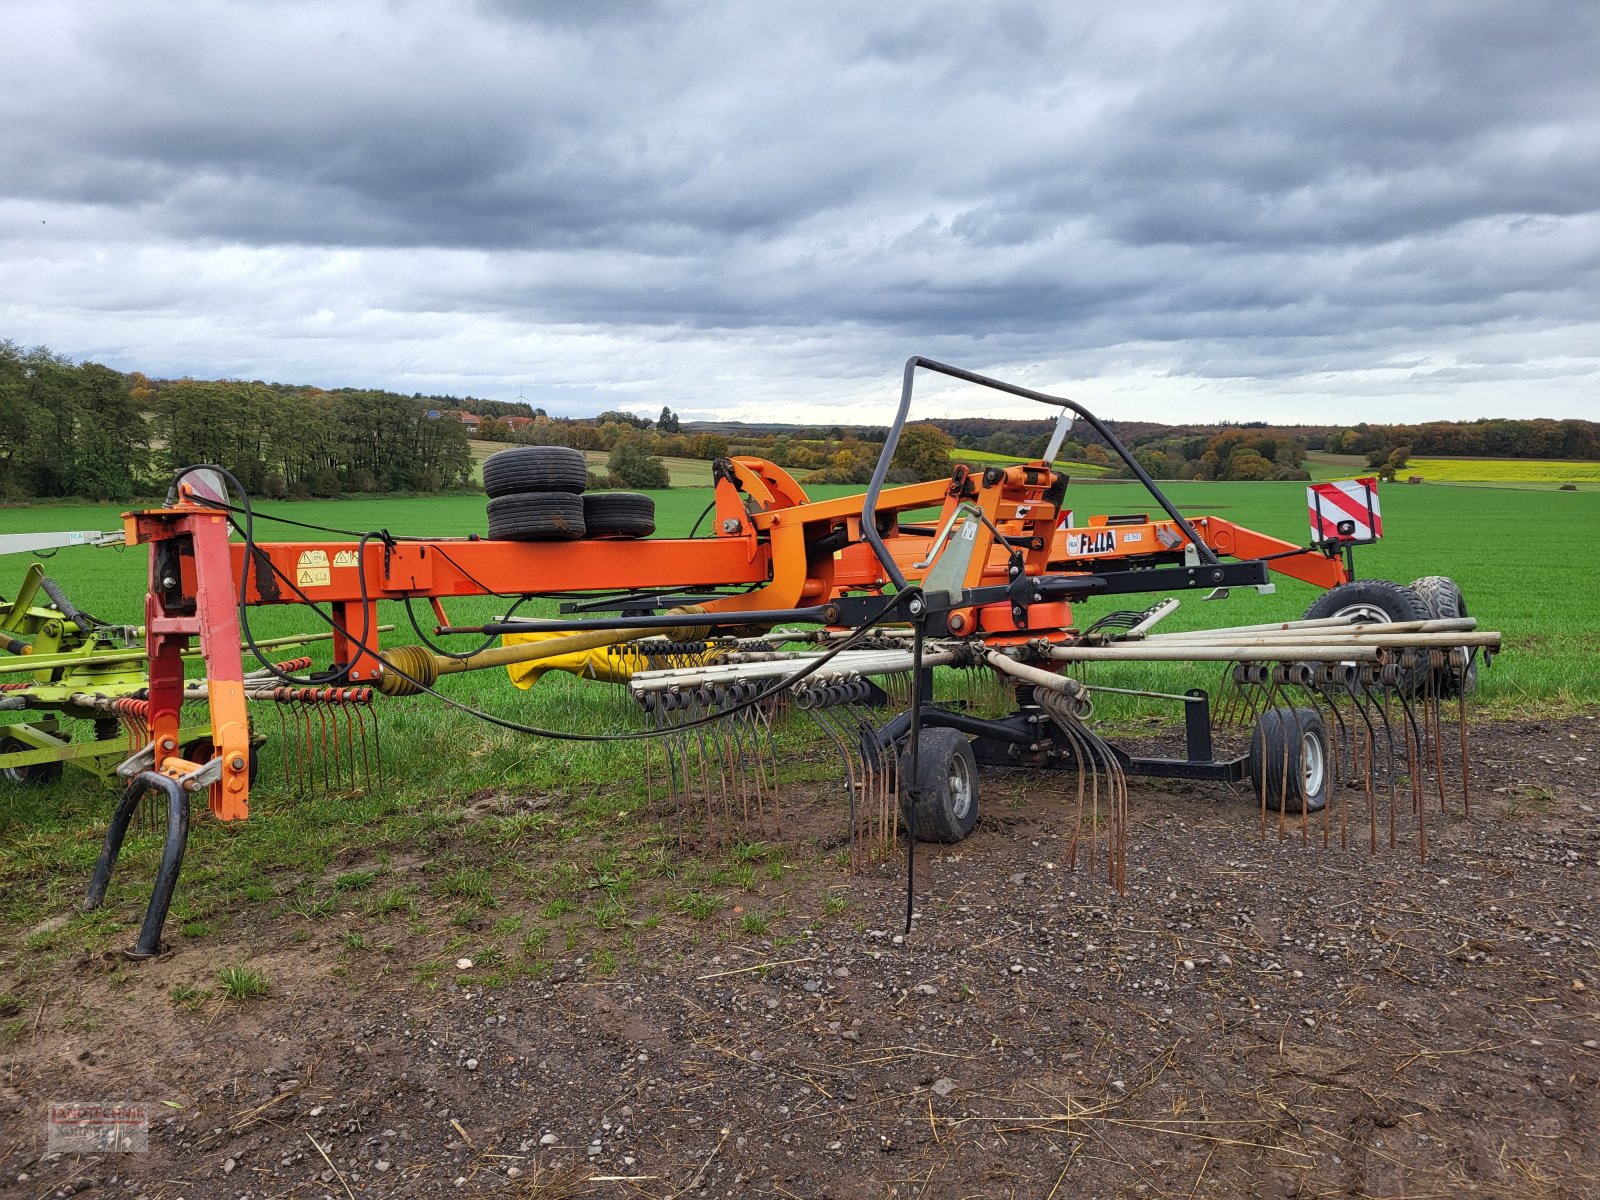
<point>1312,765</point>
<point>1365,613</point>
<point>960,788</point>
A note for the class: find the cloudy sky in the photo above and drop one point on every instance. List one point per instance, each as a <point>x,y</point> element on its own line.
<point>1240,209</point>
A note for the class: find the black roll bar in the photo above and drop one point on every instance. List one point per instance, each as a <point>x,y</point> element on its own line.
<point>869,507</point>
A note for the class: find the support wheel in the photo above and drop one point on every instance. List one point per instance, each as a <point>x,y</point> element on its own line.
<point>32,775</point>
<point>618,515</point>
<point>1289,760</point>
<point>1441,596</point>
<point>535,469</point>
<point>943,804</point>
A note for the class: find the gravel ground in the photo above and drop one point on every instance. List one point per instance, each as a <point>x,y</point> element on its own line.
<point>1250,1017</point>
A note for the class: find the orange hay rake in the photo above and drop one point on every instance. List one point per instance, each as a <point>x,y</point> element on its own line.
<point>985,583</point>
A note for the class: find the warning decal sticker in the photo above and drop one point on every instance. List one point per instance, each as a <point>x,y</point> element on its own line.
<point>311,569</point>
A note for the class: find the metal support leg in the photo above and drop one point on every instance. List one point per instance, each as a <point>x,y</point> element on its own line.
<point>149,943</point>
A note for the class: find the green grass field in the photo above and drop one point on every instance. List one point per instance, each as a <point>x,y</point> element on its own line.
<point>1322,466</point>
<point>1511,551</point>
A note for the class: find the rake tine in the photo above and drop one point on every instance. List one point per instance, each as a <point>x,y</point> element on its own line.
<point>747,741</point>
<point>718,730</point>
<point>1461,660</point>
<point>1437,662</point>
<point>1381,708</point>
<point>1349,673</point>
<point>363,711</point>
<point>716,792</point>
<point>297,718</point>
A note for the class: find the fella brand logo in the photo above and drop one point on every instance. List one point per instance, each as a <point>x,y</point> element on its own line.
<point>1102,542</point>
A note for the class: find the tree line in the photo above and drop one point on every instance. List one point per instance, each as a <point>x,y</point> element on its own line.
<point>85,430</point>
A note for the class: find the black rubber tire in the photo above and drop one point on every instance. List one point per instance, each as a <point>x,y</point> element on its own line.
<point>1373,599</point>
<point>1441,596</point>
<point>536,517</point>
<point>33,775</point>
<point>535,469</point>
<point>1289,760</point>
<point>619,515</point>
<point>946,808</point>
<point>1377,601</point>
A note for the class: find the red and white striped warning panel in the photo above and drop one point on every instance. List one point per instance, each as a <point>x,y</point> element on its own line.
<point>1345,510</point>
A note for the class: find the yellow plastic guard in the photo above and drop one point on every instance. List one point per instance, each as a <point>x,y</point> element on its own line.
<point>608,664</point>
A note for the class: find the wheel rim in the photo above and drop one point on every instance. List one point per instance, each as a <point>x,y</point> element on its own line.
<point>13,775</point>
<point>1312,765</point>
<point>1365,613</point>
<point>960,792</point>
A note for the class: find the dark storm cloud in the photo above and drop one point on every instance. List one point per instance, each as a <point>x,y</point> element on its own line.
<point>1255,190</point>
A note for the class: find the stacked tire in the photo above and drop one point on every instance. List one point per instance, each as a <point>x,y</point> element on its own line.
<point>536,494</point>
<point>619,515</point>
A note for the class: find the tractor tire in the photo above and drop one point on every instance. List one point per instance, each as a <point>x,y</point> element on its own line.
<point>619,515</point>
<point>535,469</point>
<point>536,517</point>
<point>945,807</point>
<point>1289,760</point>
<point>1374,601</point>
<point>32,775</point>
<point>1441,596</point>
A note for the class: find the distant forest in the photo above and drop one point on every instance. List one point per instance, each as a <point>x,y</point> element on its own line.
<point>84,430</point>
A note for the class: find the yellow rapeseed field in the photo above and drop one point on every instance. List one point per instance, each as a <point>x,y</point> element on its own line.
<point>1487,470</point>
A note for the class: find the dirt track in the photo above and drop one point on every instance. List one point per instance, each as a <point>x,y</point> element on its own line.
<point>1251,1018</point>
